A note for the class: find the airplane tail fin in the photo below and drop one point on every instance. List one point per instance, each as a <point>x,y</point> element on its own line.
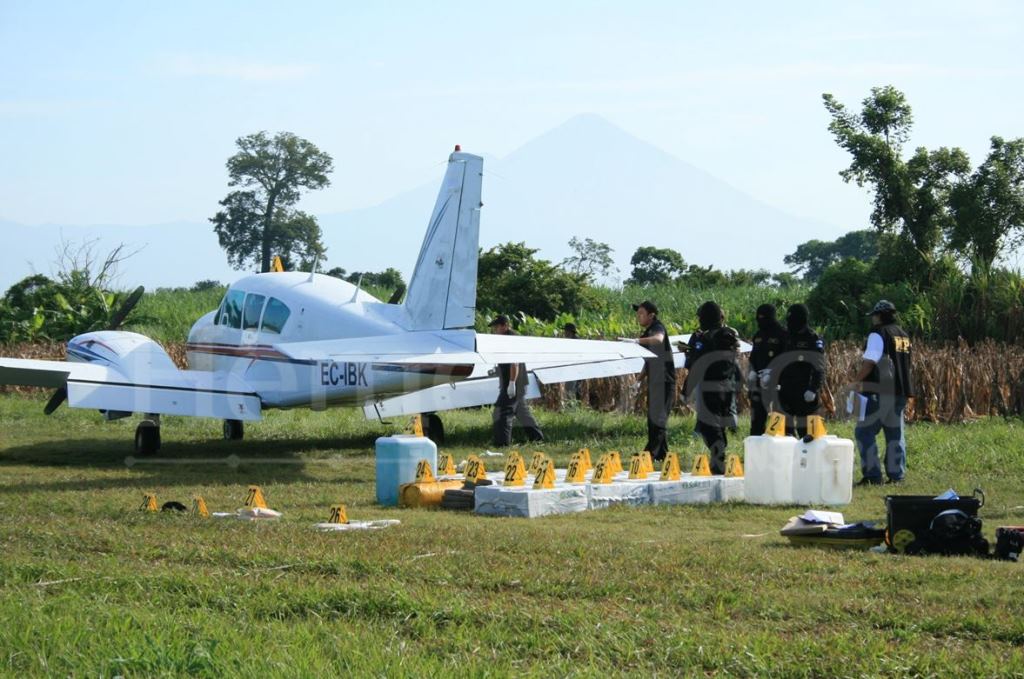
<point>442,292</point>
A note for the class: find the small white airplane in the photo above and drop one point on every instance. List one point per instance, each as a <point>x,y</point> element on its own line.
<point>292,339</point>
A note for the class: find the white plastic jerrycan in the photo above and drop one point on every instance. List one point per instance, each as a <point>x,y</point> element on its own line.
<point>823,471</point>
<point>768,469</point>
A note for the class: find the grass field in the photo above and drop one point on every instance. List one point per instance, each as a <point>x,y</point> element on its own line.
<point>89,586</point>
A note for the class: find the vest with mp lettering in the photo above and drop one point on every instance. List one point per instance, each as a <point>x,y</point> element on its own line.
<point>892,373</point>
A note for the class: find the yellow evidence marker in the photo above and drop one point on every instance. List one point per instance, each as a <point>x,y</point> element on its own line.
<point>733,466</point>
<point>423,472</point>
<point>637,467</point>
<point>816,426</point>
<point>603,471</point>
<point>577,472</point>
<point>584,454</point>
<point>701,466</point>
<point>515,471</point>
<point>149,503</point>
<point>648,462</point>
<point>255,498</point>
<point>276,265</point>
<point>616,461</point>
<point>776,425</point>
<point>536,462</point>
<point>670,470</point>
<point>417,425</point>
<point>474,470</point>
<point>446,465</point>
<point>199,507</point>
<point>339,514</point>
<point>546,476</point>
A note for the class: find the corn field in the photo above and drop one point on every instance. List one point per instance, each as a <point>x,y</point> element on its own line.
<point>955,383</point>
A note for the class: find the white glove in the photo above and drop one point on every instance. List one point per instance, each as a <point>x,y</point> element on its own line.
<point>766,377</point>
<point>511,390</point>
<point>809,395</point>
<point>631,340</point>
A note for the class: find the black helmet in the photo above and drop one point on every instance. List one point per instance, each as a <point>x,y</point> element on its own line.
<point>797,317</point>
<point>883,306</point>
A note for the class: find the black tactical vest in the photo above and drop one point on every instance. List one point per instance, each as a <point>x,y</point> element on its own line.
<point>891,374</point>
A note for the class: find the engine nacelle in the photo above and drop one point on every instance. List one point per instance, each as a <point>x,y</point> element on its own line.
<point>133,355</point>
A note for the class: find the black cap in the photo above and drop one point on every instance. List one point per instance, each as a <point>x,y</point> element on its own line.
<point>569,327</point>
<point>882,306</point>
<point>649,306</point>
<point>500,319</point>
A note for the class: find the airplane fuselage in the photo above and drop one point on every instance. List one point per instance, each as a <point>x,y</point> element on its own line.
<point>264,310</point>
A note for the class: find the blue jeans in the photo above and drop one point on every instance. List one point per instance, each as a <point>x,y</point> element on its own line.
<point>884,412</point>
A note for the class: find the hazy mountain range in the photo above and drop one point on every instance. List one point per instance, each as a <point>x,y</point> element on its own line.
<point>585,178</point>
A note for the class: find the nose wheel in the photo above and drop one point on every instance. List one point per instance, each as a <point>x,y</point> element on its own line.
<point>147,438</point>
<point>233,430</point>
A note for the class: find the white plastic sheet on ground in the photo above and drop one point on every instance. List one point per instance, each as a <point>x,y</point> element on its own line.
<point>356,525</point>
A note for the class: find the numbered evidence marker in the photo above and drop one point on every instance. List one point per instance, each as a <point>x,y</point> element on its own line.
<point>584,454</point>
<point>816,426</point>
<point>446,465</point>
<point>255,498</point>
<point>648,462</point>
<point>670,470</point>
<point>417,425</point>
<point>199,507</point>
<point>776,425</point>
<point>515,470</point>
<point>733,466</point>
<point>536,462</point>
<point>546,476</point>
<point>701,466</point>
<point>577,472</point>
<point>637,467</point>
<point>603,470</point>
<point>149,503</point>
<point>339,514</point>
<point>616,461</point>
<point>474,470</point>
<point>423,472</point>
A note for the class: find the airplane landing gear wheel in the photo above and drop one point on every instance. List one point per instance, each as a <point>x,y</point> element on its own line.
<point>147,438</point>
<point>233,430</point>
<point>434,428</point>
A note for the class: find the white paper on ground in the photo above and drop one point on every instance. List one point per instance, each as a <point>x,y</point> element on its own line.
<point>356,525</point>
<point>257,513</point>
<point>819,516</point>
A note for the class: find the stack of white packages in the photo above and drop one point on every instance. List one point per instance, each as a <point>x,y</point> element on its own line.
<point>527,502</point>
<point>621,491</point>
<point>688,490</point>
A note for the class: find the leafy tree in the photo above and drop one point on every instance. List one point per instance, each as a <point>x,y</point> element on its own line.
<point>814,256</point>
<point>988,206</point>
<point>206,284</point>
<point>510,279</point>
<point>911,196</point>
<point>259,220</point>
<point>655,266</point>
<point>390,278</point>
<point>591,258</point>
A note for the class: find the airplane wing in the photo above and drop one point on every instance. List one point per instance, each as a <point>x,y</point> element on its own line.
<point>161,391</point>
<point>548,360</point>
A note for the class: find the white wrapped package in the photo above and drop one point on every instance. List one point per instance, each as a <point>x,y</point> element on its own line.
<point>529,503</point>
<point>603,495</point>
<point>730,489</point>
<point>689,490</point>
<point>355,525</point>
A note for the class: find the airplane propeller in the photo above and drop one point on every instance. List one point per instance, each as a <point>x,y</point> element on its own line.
<point>115,323</point>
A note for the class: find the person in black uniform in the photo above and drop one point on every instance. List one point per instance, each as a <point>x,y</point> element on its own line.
<point>513,381</point>
<point>713,380</point>
<point>661,377</point>
<point>769,341</point>
<point>884,383</point>
<point>801,371</point>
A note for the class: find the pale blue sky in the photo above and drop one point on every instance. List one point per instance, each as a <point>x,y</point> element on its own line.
<point>124,112</point>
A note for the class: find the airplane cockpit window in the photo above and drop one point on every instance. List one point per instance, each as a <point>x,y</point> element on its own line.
<point>232,314</point>
<point>253,307</point>
<point>275,316</point>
